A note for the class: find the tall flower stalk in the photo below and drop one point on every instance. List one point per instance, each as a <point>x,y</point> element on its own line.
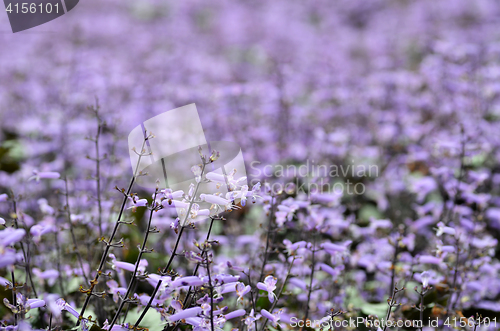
<point>182,225</point>
<point>110,243</point>
<point>153,208</point>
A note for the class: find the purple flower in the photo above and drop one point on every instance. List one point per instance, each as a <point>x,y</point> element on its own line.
<point>168,194</point>
<point>444,229</point>
<point>234,314</point>
<point>183,314</point>
<point>223,278</point>
<point>187,281</point>
<point>115,290</point>
<point>44,207</point>
<point>175,204</point>
<point>44,175</point>
<point>335,248</point>
<point>63,305</point>
<point>269,285</point>
<point>274,318</point>
<point>35,303</point>
<point>428,277</point>
<point>291,248</point>
<point>429,259</point>
<point>138,203</point>
<point>118,265</point>
<point>50,275</point>
<point>10,236</point>
<point>298,283</point>
<point>38,230</point>
<point>242,290</point>
<point>250,320</point>
<point>334,272</point>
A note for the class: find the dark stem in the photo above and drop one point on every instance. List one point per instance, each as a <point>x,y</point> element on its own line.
<point>58,264</point>
<point>460,175</point>
<point>279,294</point>
<point>392,303</point>
<point>313,262</point>
<point>195,271</point>
<point>72,231</point>
<point>422,309</point>
<point>174,252</point>
<point>211,294</point>
<point>394,260</point>
<point>141,252</point>
<point>455,276</point>
<point>25,254</point>
<point>14,296</point>
<point>94,282</point>
<point>160,281</point>
<point>269,227</point>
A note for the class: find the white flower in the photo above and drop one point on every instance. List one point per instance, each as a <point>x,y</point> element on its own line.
<point>425,276</point>
<point>444,229</point>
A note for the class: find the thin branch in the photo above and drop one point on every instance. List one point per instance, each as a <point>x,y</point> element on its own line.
<point>313,263</point>
<point>134,274</point>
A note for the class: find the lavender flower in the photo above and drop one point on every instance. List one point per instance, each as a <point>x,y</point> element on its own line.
<point>269,285</point>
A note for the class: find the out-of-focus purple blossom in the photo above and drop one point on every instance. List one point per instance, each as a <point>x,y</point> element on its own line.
<point>8,258</point>
<point>10,236</point>
<point>335,248</point>
<point>444,229</point>
<point>37,175</point>
<point>50,275</point>
<point>44,206</point>
<point>429,259</point>
<point>241,291</point>
<point>38,230</point>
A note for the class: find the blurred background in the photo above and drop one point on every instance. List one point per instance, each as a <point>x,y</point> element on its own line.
<point>286,79</point>
<point>386,83</point>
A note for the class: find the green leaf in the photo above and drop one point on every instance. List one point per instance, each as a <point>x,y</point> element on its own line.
<point>378,309</point>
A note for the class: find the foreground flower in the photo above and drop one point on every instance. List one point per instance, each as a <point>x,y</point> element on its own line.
<point>425,278</point>
<point>269,285</point>
<point>274,318</point>
<point>183,314</point>
<point>250,320</point>
<point>23,306</point>
<point>444,229</point>
<point>241,290</point>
